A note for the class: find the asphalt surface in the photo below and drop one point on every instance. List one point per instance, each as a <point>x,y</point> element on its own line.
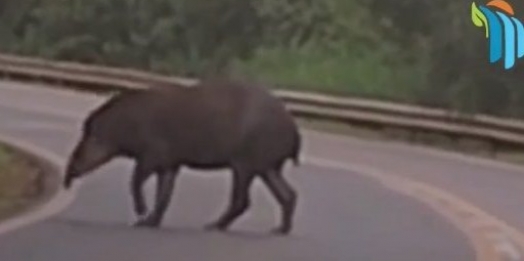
<point>341,215</point>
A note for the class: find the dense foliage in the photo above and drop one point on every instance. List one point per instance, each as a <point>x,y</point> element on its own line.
<point>418,51</point>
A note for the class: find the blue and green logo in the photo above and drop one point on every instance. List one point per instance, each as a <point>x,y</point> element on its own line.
<point>504,32</point>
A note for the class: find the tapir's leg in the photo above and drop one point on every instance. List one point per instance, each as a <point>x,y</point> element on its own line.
<point>239,200</point>
<point>140,175</point>
<point>285,195</point>
<point>165,187</point>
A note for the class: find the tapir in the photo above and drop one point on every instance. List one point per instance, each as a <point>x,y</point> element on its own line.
<point>214,124</point>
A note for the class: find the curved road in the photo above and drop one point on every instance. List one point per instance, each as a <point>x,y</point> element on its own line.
<point>359,200</point>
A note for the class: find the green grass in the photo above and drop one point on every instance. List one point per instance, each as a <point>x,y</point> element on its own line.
<point>364,74</point>
<point>18,182</point>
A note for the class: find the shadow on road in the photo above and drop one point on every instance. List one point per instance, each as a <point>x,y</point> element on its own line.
<point>115,226</point>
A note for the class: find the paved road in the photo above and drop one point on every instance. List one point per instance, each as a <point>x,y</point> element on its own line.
<point>342,214</point>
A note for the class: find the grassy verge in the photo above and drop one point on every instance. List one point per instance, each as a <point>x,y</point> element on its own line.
<point>369,75</point>
<point>20,182</point>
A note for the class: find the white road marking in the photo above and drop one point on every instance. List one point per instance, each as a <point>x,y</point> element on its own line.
<point>504,245</point>
<point>500,241</point>
<point>59,202</point>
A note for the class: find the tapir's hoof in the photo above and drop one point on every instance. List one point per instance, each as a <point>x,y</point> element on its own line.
<point>281,231</point>
<point>214,227</point>
<point>147,222</point>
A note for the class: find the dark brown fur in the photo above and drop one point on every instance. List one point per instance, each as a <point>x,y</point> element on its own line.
<point>216,124</point>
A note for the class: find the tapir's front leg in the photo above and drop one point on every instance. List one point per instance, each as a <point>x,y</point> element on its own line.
<point>139,177</point>
<point>165,188</point>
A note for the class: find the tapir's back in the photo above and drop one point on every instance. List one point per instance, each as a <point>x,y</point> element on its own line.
<point>202,122</point>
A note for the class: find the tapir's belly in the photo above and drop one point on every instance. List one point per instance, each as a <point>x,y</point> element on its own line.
<point>205,153</point>
<point>207,165</point>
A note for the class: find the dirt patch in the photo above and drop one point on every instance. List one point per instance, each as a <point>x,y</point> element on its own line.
<point>22,182</point>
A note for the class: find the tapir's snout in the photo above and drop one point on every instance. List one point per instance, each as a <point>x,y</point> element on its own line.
<point>68,181</point>
<point>87,156</point>
<point>70,175</point>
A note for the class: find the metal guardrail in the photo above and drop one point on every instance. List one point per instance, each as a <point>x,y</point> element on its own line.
<point>502,133</point>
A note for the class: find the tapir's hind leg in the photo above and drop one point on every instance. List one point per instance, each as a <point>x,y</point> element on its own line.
<point>239,199</point>
<point>285,195</point>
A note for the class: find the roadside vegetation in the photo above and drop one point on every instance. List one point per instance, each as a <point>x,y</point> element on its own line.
<point>19,182</point>
<point>425,52</point>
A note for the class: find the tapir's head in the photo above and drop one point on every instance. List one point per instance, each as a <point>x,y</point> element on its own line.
<point>88,155</point>
<point>101,131</point>
<point>93,148</point>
